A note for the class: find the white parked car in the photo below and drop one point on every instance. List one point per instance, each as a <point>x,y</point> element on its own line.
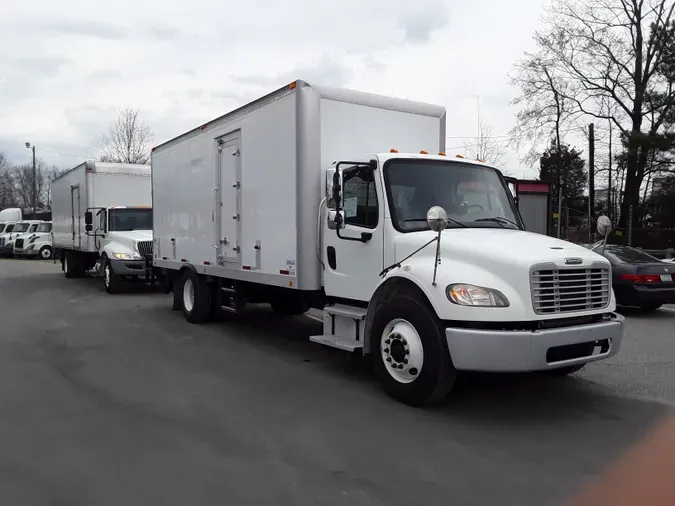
<point>35,244</point>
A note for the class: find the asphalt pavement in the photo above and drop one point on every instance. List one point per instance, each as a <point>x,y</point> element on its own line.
<point>117,400</point>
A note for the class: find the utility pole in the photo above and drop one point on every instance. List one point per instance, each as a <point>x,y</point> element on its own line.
<point>591,180</point>
<point>28,145</point>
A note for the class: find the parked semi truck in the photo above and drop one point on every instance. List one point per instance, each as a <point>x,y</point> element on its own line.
<point>102,219</point>
<point>12,232</point>
<point>35,244</point>
<point>343,201</point>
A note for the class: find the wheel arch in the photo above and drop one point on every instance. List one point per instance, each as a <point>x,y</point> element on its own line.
<point>387,290</point>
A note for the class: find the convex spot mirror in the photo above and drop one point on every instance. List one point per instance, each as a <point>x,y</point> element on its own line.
<point>604,225</point>
<point>437,218</point>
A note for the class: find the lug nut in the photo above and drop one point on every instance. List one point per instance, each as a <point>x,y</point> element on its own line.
<point>388,359</point>
<point>386,350</point>
<point>388,341</point>
<point>400,366</point>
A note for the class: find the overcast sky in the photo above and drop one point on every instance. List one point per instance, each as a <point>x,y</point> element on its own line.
<point>66,66</point>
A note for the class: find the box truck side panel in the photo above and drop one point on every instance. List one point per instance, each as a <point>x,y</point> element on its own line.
<point>69,203</point>
<point>191,177</point>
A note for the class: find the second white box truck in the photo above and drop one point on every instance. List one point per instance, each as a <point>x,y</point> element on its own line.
<point>326,198</point>
<point>102,218</point>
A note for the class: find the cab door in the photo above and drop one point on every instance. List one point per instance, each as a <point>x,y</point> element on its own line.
<point>353,254</point>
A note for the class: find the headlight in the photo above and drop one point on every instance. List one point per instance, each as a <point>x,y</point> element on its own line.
<point>126,256</point>
<point>32,246</point>
<point>471,295</point>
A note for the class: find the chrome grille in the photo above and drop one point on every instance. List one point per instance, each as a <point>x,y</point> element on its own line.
<point>568,290</point>
<point>144,248</point>
<point>18,244</point>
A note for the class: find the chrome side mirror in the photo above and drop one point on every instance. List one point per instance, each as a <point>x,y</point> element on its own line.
<point>604,225</point>
<point>437,218</point>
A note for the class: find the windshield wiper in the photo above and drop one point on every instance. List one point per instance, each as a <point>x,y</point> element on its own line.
<point>501,220</point>
<point>419,220</point>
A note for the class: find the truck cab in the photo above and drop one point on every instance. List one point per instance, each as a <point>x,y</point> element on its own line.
<point>123,239</point>
<point>37,243</point>
<point>429,270</point>
<point>11,233</point>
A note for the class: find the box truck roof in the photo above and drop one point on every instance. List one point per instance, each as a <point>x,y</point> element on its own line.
<point>327,92</point>
<point>130,169</point>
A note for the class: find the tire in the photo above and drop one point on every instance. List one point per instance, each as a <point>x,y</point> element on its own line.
<point>195,297</point>
<point>45,253</point>
<point>425,373</point>
<point>290,308</point>
<point>69,265</point>
<point>650,307</point>
<point>112,282</point>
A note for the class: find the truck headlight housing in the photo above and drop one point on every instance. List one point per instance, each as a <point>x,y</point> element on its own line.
<point>472,295</point>
<point>126,256</point>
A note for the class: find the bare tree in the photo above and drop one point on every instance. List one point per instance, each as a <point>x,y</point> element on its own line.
<point>128,140</point>
<point>487,148</point>
<point>546,113</point>
<point>612,52</point>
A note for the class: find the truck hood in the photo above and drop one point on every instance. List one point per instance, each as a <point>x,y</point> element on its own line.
<point>133,235</point>
<point>495,246</point>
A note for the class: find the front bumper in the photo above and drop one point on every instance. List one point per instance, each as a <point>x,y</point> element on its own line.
<point>7,250</point>
<point>537,350</point>
<point>128,267</point>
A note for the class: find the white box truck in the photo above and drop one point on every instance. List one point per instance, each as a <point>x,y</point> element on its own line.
<point>316,197</point>
<point>102,218</point>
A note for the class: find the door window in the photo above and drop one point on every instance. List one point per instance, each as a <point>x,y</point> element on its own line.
<point>360,197</point>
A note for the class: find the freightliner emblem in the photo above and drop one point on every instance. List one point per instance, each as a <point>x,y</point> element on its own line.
<point>573,261</point>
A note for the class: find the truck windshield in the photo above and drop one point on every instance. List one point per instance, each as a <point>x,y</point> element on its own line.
<point>130,219</point>
<point>2,227</point>
<point>44,227</point>
<point>22,227</point>
<point>10,228</point>
<point>472,195</point>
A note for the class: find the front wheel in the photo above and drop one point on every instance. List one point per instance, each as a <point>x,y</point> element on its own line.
<point>45,253</point>
<point>409,352</point>
<point>111,281</point>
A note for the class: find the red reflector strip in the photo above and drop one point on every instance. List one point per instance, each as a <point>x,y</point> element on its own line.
<point>286,273</point>
<point>637,278</point>
<point>207,263</point>
<point>246,267</point>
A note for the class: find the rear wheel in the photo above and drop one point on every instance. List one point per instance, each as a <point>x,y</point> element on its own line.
<point>409,352</point>
<point>195,298</point>
<point>69,265</point>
